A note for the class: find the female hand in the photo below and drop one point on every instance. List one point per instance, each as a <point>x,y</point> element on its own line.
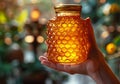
<point>95,66</point>
<point>88,67</point>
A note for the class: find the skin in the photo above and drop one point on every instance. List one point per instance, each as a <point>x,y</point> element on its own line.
<point>95,66</point>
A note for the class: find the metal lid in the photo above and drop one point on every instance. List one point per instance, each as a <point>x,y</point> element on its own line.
<point>68,7</point>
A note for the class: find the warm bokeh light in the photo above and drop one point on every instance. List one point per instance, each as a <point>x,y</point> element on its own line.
<point>8,40</point>
<point>34,1</point>
<point>118,28</point>
<point>111,48</point>
<point>111,28</point>
<point>114,8</point>
<point>40,39</point>
<point>102,1</point>
<point>77,1</point>
<point>29,39</point>
<point>43,21</point>
<point>35,14</point>
<point>104,34</point>
<point>106,9</point>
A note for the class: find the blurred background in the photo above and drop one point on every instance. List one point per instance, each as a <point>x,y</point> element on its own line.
<point>23,35</point>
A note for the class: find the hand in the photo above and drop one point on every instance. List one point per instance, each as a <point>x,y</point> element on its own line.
<point>87,67</point>
<point>95,66</point>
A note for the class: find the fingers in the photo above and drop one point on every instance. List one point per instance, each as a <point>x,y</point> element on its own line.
<point>91,32</point>
<point>45,61</point>
<point>43,58</point>
<point>45,54</point>
<point>55,66</point>
<point>72,69</point>
<point>90,28</point>
<point>46,42</point>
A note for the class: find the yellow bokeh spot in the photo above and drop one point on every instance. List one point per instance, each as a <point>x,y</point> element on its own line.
<point>111,48</point>
<point>29,38</point>
<point>8,40</point>
<point>35,14</point>
<point>114,8</point>
<point>40,39</point>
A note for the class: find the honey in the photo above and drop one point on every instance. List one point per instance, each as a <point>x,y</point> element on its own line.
<point>67,34</point>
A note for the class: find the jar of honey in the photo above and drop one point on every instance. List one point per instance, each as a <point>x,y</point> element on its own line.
<point>67,36</point>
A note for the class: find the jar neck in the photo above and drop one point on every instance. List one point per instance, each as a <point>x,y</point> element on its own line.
<point>68,9</point>
<point>68,13</point>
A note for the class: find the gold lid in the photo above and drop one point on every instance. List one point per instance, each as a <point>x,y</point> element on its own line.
<point>68,7</point>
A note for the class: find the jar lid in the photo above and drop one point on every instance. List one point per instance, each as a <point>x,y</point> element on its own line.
<point>68,7</point>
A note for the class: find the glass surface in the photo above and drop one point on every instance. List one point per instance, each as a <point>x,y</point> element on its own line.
<point>67,37</point>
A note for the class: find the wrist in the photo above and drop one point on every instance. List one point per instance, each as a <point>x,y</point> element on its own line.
<point>104,75</point>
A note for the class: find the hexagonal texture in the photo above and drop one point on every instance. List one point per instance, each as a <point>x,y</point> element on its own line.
<point>67,40</point>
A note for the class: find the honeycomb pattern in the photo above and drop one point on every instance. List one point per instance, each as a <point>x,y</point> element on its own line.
<point>67,40</point>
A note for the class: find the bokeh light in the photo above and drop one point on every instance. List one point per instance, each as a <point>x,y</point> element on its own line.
<point>29,39</point>
<point>8,40</point>
<point>43,21</point>
<point>102,1</point>
<point>118,28</point>
<point>77,1</point>
<point>35,14</point>
<point>104,34</point>
<point>40,39</point>
<point>106,9</point>
<point>111,48</point>
<point>34,1</point>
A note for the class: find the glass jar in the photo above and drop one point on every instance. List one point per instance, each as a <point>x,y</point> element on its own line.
<point>67,34</point>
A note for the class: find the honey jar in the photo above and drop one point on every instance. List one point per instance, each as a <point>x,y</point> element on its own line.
<point>67,36</point>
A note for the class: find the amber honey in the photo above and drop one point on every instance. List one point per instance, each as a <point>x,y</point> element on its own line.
<point>67,36</point>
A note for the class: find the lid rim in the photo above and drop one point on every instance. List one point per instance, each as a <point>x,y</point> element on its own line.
<point>68,7</point>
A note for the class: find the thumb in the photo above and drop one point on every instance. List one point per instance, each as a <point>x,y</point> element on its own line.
<point>90,33</point>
